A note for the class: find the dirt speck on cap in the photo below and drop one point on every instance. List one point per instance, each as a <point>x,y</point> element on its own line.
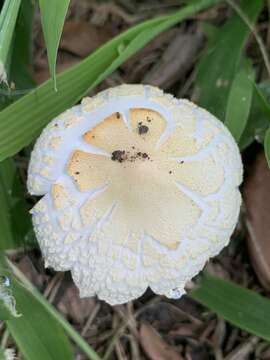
<point>143,129</point>
<point>118,155</point>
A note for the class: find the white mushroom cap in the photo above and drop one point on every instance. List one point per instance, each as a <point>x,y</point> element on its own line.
<point>140,189</point>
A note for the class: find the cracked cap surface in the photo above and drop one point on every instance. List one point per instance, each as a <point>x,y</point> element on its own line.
<point>140,189</point>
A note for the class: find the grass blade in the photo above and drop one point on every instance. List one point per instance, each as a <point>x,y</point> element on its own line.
<point>6,238</point>
<point>241,307</point>
<point>51,311</point>
<point>38,107</point>
<point>22,47</point>
<point>239,101</point>
<point>15,222</point>
<point>36,332</point>
<point>218,65</point>
<point>53,15</point>
<point>8,19</point>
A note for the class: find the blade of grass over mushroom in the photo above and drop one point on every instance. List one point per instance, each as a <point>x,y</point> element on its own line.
<point>8,17</point>
<point>239,100</point>
<point>220,61</point>
<point>241,307</point>
<point>38,107</point>
<point>15,222</point>
<point>25,290</point>
<point>53,15</point>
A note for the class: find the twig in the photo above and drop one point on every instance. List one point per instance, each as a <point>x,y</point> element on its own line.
<point>122,327</point>
<point>90,319</point>
<point>253,30</point>
<point>244,349</point>
<point>120,351</point>
<point>135,351</point>
<point>4,339</point>
<point>52,284</point>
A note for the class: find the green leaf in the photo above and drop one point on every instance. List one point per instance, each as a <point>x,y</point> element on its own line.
<point>217,67</point>
<point>259,119</point>
<point>241,307</point>
<point>211,32</point>
<point>15,222</point>
<point>22,48</point>
<point>46,308</point>
<point>41,105</point>
<point>20,57</point>
<point>53,15</point>
<point>239,101</point>
<point>263,101</point>
<point>267,146</point>
<point>8,17</point>
<point>6,238</point>
<point>36,332</point>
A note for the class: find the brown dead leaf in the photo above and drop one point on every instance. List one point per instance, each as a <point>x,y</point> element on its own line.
<point>185,330</point>
<point>27,267</point>
<point>176,61</point>
<point>154,346</point>
<point>167,316</point>
<point>257,201</point>
<point>65,61</point>
<point>81,38</point>
<point>78,40</point>
<point>74,307</point>
<point>137,65</point>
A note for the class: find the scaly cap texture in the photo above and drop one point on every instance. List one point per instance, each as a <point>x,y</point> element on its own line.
<point>139,189</point>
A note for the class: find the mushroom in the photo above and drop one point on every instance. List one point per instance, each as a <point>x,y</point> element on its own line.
<point>139,189</point>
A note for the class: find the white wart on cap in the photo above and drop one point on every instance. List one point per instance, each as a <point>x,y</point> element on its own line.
<point>140,189</point>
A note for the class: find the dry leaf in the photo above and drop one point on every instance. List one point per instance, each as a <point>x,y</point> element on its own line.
<point>176,61</point>
<point>65,61</point>
<point>154,346</point>
<point>71,305</point>
<point>257,201</point>
<point>30,271</point>
<point>138,64</point>
<point>80,38</point>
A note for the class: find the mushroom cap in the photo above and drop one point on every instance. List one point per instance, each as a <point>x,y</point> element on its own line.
<point>139,189</point>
